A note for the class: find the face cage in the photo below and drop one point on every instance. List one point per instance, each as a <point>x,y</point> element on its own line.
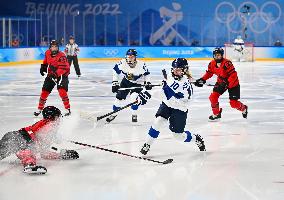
<point>178,77</point>
<point>53,53</point>
<point>131,63</point>
<point>218,60</point>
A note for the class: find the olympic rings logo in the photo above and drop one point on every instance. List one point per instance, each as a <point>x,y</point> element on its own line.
<point>110,52</point>
<point>26,53</point>
<point>236,14</point>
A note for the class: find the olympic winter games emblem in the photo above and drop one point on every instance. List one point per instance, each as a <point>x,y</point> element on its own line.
<point>110,52</point>
<point>257,19</point>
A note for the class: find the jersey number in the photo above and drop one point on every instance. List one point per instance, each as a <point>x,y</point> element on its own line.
<point>175,85</point>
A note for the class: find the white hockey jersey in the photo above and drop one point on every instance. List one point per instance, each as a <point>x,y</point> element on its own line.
<point>138,74</point>
<point>71,49</point>
<point>177,93</point>
<point>239,44</point>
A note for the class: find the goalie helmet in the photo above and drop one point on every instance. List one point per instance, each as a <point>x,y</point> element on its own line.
<point>130,57</point>
<point>218,50</point>
<point>54,43</point>
<point>51,112</point>
<point>179,63</point>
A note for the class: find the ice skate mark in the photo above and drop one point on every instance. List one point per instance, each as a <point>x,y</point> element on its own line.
<point>243,188</point>
<point>279,182</point>
<point>6,171</point>
<point>222,135</point>
<point>127,142</point>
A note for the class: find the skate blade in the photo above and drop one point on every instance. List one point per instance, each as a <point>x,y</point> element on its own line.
<point>216,120</point>
<point>98,124</point>
<point>31,172</point>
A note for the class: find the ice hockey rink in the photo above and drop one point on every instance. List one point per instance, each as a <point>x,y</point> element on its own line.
<point>244,158</point>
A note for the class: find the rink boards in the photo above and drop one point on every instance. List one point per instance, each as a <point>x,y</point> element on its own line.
<point>33,55</point>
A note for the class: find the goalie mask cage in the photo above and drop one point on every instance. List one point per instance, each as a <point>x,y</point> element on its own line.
<point>248,51</point>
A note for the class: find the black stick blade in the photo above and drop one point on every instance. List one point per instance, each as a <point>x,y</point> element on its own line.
<point>168,161</point>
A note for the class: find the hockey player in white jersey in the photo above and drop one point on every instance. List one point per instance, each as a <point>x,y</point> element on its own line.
<point>135,74</point>
<point>239,47</point>
<point>177,92</point>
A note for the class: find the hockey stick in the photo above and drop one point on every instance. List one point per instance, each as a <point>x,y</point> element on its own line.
<point>165,77</point>
<point>133,88</point>
<point>95,119</point>
<point>164,72</point>
<point>207,84</point>
<point>121,153</point>
<point>115,111</point>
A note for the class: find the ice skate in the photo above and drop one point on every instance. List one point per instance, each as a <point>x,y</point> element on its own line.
<point>134,118</point>
<point>145,149</point>
<point>67,112</point>
<point>34,169</point>
<point>245,112</point>
<point>200,143</point>
<point>214,118</point>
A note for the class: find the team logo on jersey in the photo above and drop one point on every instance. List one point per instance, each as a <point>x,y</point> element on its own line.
<point>249,15</point>
<point>130,76</point>
<point>111,52</point>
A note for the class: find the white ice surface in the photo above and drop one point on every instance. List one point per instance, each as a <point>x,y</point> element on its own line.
<point>244,158</point>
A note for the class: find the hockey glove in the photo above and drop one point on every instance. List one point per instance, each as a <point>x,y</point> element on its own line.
<point>148,85</point>
<point>143,97</point>
<point>199,82</point>
<point>43,69</point>
<point>68,154</point>
<point>115,86</point>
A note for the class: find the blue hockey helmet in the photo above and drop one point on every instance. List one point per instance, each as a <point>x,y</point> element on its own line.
<point>131,52</point>
<point>130,57</point>
<point>180,63</point>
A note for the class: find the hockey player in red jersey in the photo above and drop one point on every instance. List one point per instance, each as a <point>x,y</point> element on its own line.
<point>227,80</point>
<point>57,68</point>
<point>38,138</point>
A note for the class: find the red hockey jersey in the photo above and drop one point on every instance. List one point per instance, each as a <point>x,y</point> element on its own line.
<point>226,72</point>
<point>58,64</point>
<point>37,127</point>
